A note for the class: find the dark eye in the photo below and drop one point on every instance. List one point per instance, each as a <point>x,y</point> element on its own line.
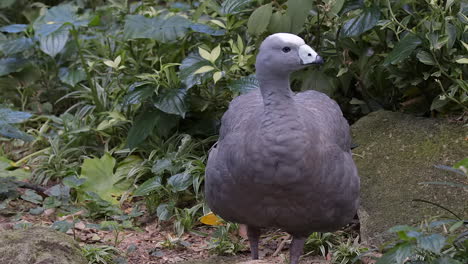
<point>286,49</point>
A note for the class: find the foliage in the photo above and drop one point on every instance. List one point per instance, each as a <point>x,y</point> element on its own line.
<point>125,97</point>
<point>224,242</point>
<point>319,243</point>
<point>100,254</point>
<point>436,242</point>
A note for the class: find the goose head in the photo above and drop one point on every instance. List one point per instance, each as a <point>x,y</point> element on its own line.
<point>283,53</point>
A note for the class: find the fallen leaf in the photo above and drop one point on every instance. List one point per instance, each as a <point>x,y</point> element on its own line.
<point>211,219</point>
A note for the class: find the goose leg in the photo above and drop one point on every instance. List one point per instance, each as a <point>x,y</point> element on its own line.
<point>297,246</point>
<point>254,234</point>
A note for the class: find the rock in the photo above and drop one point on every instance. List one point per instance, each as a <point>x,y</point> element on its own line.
<point>38,245</point>
<point>395,153</point>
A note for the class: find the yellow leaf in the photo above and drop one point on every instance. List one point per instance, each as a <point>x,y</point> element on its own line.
<point>217,76</point>
<point>211,219</point>
<point>215,53</point>
<point>204,69</point>
<point>218,23</point>
<point>462,61</point>
<point>204,54</point>
<point>109,63</point>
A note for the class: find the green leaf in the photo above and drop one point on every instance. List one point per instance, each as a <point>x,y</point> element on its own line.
<point>438,103</point>
<point>63,226</point>
<point>402,49</point>
<point>279,22</point>
<point>73,181</point>
<point>172,101</point>
<point>148,186</point>
<point>124,171</point>
<point>432,242</point>
<point>259,19</point>
<point>6,3</point>
<point>14,28</point>
<point>189,66</point>
<point>314,79</point>
<point>138,92</point>
<point>180,182</point>
<point>202,28</point>
<point>351,5</point>
<point>298,11</point>
<point>7,171</point>
<point>53,43</point>
<point>362,23</point>
<point>100,178</point>
<point>13,117</point>
<point>230,7</point>
<point>163,29</point>
<point>161,166</point>
<point>71,76</point>
<point>10,131</point>
<point>244,84</point>
<point>32,196</point>
<point>55,18</point>
<point>9,65</point>
<point>204,69</point>
<point>142,127</point>
<point>462,60</point>
<point>13,46</point>
<point>164,211</point>
<point>36,211</point>
<point>338,5</point>
<point>425,57</point>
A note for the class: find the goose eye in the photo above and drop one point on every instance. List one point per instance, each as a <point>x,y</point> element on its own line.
<point>286,49</point>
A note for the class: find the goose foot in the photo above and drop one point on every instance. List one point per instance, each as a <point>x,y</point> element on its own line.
<point>254,234</point>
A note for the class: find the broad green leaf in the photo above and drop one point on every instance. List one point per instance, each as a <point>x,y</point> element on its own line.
<point>138,92</point>
<point>244,84</point>
<point>259,19</point>
<point>172,101</point>
<point>10,131</point>
<point>164,211</point>
<point>9,65</point>
<point>451,33</point>
<point>202,28</point>
<point>438,103</point>
<point>32,196</point>
<point>14,28</point>
<point>6,3</point>
<point>230,7</point>
<point>71,76</point>
<point>351,5</point>
<point>317,80</point>
<point>298,10</point>
<point>73,181</point>
<point>13,46</point>
<point>55,18</point>
<point>338,5</point>
<point>425,57</point>
<point>63,226</point>
<point>161,28</point>
<point>101,179</point>
<point>204,54</point>
<point>13,117</point>
<point>362,23</point>
<point>142,127</point>
<point>180,182</point>
<point>432,242</point>
<point>148,186</point>
<point>204,69</point>
<point>53,43</point>
<point>162,165</point>
<point>189,66</point>
<point>402,49</point>
<point>279,22</point>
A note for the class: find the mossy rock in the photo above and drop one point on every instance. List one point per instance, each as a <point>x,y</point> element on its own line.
<point>395,154</point>
<point>38,245</point>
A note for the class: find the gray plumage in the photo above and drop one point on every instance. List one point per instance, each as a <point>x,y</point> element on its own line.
<point>283,159</point>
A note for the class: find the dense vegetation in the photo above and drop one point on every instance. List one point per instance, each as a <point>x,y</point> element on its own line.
<point>122,99</point>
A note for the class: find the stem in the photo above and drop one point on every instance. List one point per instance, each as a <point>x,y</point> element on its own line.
<point>94,92</point>
<point>395,19</point>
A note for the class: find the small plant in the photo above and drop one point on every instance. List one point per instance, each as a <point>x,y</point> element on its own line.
<point>348,252</point>
<point>186,218</point>
<point>431,243</point>
<point>224,242</point>
<point>319,243</point>
<point>100,254</point>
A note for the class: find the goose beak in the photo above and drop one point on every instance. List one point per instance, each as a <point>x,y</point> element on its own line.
<point>309,56</point>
